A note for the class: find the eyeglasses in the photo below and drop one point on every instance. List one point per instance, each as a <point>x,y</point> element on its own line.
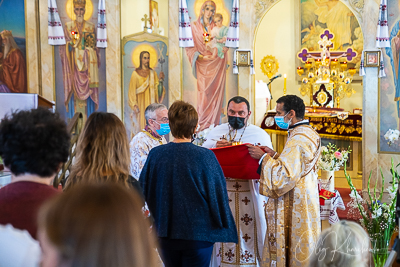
<point>163,120</point>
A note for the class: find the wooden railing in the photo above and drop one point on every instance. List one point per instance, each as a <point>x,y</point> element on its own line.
<point>74,128</point>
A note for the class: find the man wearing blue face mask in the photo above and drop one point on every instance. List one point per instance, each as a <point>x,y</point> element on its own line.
<point>157,125</point>
<point>290,180</point>
<point>246,203</point>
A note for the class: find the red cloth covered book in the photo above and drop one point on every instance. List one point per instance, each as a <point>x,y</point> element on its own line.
<point>236,162</point>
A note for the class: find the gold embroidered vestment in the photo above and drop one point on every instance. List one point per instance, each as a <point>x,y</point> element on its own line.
<point>292,211</point>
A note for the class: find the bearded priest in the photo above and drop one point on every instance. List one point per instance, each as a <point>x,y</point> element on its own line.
<point>290,180</point>
<point>246,204</point>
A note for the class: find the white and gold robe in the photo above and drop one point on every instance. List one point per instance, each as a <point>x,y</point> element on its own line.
<point>246,205</point>
<point>142,92</point>
<point>292,211</point>
<point>139,148</point>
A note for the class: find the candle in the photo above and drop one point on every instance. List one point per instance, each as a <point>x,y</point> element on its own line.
<point>284,84</point>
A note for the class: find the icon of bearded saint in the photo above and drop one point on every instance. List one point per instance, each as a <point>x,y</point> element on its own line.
<point>80,65</point>
<point>12,66</point>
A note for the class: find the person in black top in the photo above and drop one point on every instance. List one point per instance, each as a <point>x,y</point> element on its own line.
<point>185,189</point>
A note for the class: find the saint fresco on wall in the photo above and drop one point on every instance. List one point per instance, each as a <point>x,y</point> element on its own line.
<point>208,80</point>
<point>13,70</point>
<point>145,76</point>
<point>389,95</point>
<point>79,65</point>
<point>318,15</point>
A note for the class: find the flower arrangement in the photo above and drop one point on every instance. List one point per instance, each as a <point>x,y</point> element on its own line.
<point>392,136</point>
<point>376,216</point>
<point>201,136</point>
<point>332,158</point>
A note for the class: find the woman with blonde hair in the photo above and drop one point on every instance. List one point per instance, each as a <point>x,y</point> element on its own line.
<point>95,225</point>
<point>343,244</point>
<point>102,153</point>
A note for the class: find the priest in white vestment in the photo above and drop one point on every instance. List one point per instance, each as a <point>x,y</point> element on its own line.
<point>290,180</point>
<point>157,125</point>
<point>246,204</point>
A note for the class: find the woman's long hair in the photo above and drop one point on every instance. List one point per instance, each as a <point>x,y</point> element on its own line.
<point>98,225</point>
<point>102,152</point>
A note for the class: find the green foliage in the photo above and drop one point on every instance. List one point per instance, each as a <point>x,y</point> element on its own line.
<point>377,217</point>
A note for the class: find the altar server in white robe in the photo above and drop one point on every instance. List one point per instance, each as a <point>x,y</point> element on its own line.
<point>246,203</point>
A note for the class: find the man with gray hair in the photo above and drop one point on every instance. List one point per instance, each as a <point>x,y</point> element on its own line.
<point>157,125</point>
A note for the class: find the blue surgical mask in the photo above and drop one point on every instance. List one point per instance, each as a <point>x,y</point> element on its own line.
<point>164,129</point>
<point>280,121</point>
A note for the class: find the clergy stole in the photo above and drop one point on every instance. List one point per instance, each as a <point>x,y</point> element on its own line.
<point>292,211</point>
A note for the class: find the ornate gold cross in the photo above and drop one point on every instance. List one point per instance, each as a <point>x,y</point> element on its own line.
<point>145,19</point>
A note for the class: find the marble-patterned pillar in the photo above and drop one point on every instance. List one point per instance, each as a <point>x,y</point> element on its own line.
<point>174,54</point>
<point>32,46</point>
<point>246,37</point>
<point>46,63</point>
<point>113,57</point>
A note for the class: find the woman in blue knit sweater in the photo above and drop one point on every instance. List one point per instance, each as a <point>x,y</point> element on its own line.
<point>185,190</point>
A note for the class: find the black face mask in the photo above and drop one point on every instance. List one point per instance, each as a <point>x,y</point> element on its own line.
<point>236,122</point>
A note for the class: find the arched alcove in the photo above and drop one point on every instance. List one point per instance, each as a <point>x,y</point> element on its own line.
<point>275,34</point>
<point>278,33</point>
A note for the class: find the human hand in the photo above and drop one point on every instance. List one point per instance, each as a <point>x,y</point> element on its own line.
<point>255,151</point>
<point>162,76</point>
<point>136,109</point>
<point>268,150</point>
<point>225,49</point>
<point>223,143</point>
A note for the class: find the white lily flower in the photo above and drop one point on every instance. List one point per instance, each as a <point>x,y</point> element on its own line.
<point>377,213</point>
<point>354,195</point>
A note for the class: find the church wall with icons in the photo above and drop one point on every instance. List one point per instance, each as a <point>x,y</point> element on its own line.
<point>208,81</point>
<point>143,84</point>
<point>80,67</point>
<point>14,49</point>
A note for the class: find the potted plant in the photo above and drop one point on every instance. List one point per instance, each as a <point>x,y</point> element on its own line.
<point>375,215</point>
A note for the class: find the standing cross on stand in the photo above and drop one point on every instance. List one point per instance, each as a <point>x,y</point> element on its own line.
<point>145,19</point>
<point>326,44</point>
<point>325,73</point>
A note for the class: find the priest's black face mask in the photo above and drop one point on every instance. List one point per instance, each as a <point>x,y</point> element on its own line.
<point>238,114</point>
<point>236,122</point>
